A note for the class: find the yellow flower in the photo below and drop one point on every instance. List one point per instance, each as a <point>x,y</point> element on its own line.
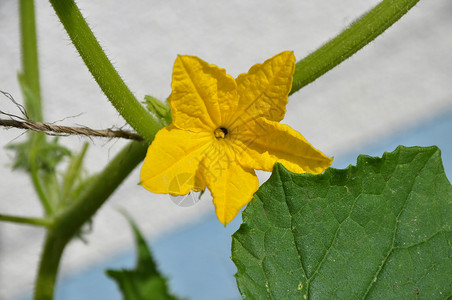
<point>224,128</point>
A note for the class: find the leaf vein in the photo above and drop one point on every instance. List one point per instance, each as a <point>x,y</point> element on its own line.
<point>391,249</point>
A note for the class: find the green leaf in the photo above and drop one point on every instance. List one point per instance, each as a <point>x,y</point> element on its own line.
<point>380,230</point>
<point>47,155</point>
<point>145,282</point>
<point>161,110</point>
<point>40,158</point>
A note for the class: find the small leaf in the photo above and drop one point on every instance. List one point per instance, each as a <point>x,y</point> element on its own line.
<point>159,109</point>
<point>40,158</point>
<point>145,282</point>
<point>380,230</point>
<point>47,154</point>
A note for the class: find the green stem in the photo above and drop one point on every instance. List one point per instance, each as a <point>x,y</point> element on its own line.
<point>359,34</point>
<point>35,179</point>
<point>69,221</point>
<point>29,81</point>
<point>44,222</point>
<point>103,71</point>
<point>30,65</point>
<point>73,171</point>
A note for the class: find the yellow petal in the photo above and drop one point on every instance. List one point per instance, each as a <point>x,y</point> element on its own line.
<point>264,90</point>
<point>231,186</point>
<point>203,95</point>
<point>264,142</point>
<point>172,161</point>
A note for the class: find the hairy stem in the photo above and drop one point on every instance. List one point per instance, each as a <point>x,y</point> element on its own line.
<point>350,41</point>
<point>103,71</point>
<point>69,221</point>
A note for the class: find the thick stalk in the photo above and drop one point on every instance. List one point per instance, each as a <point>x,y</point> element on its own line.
<point>68,222</point>
<point>350,41</point>
<point>103,71</point>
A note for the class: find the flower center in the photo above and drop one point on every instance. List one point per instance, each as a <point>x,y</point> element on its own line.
<point>220,132</point>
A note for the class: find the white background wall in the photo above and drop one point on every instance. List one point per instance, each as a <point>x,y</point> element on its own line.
<point>401,79</point>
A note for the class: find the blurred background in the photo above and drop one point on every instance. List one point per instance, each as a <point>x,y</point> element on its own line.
<point>397,90</point>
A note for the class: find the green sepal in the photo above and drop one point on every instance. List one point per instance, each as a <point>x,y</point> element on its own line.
<point>159,109</point>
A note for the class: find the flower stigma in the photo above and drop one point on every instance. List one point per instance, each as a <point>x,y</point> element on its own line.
<point>220,132</point>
